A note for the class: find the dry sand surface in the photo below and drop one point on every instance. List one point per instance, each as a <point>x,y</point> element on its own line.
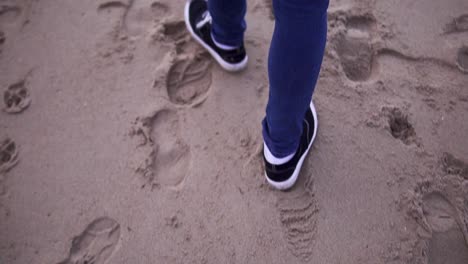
<point>123,142</point>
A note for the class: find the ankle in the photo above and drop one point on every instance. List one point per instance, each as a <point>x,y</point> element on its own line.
<point>272,159</point>
<point>222,46</point>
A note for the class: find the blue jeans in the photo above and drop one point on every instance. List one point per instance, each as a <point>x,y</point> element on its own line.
<point>294,62</point>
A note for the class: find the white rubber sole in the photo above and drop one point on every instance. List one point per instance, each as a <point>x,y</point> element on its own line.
<point>282,186</point>
<point>227,66</point>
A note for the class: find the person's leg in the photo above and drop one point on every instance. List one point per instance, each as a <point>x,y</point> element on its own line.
<point>295,58</point>
<point>228,23</point>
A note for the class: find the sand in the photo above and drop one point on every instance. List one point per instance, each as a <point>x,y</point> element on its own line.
<point>123,142</point>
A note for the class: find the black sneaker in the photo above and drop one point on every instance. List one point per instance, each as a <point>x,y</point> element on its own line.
<point>284,176</point>
<point>198,22</point>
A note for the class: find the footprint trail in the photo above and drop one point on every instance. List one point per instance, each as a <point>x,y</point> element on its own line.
<point>8,155</point>
<point>172,157</point>
<point>95,244</point>
<point>298,211</point>
<point>189,79</point>
<point>400,127</point>
<point>447,243</point>
<point>187,74</point>
<point>354,48</point>
<point>168,160</point>
<point>16,98</point>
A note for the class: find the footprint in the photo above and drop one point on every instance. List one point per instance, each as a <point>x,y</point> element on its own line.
<point>462,59</point>
<point>189,79</point>
<point>117,12</point>
<point>96,244</point>
<point>400,127</point>
<point>354,48</point>
<point>16,98</point>
<point>452,165</point>
<point>172,154</point>
<point>8,155</point>
<point>299,214</point>
<point>447,243</point>
<point>298,208</point>
<point>168,156</point>
<point>9,12</point>
<point>457,25</point>
<point>187,74</point>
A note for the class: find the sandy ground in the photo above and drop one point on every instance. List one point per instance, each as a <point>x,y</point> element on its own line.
<point>122,142</point>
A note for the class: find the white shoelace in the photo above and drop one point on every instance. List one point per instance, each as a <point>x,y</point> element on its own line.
<point>206,18</point>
